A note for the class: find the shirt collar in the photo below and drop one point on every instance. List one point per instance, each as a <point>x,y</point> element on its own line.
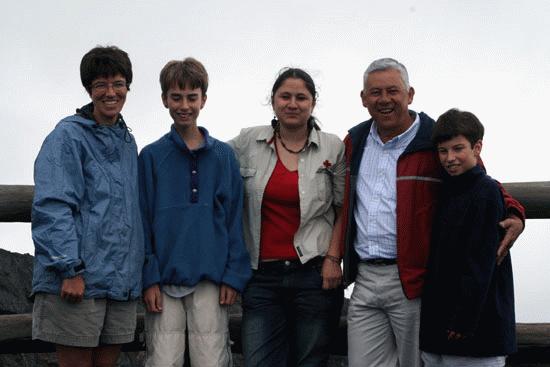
<point>405,135</point>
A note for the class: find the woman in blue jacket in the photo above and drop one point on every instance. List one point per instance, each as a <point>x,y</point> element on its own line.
<point>86,223</point>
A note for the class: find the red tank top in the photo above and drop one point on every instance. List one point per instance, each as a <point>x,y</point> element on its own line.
<point>280,215</point>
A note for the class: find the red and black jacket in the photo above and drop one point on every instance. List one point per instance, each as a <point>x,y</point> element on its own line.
<point>418,184</point>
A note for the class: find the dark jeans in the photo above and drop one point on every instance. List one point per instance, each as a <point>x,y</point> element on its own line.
<point>288,319</point>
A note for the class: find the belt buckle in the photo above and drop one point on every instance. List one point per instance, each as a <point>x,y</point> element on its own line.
<point>380,261</point>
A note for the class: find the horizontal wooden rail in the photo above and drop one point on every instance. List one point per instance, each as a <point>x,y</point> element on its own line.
<point>15,338</point>
<point>15,203</point>
<point>534,196</point>
<point>16,200</point>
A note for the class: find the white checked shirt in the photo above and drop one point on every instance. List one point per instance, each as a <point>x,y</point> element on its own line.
<point>375,213</point>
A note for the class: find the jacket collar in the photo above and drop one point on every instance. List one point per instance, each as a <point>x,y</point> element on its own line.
<point>421,141</point>
<point>463,182</point>
<point>423,137</point>
<point>176,138</point>
<point>267,134</point>
<point>87,112</point>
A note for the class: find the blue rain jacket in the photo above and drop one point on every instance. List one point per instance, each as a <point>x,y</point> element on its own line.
<point>85,213</point>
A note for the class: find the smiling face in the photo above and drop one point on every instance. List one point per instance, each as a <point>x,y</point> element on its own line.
<point>293,104</point>
<point>184,105</point>
<point>387,99</point>
<point>108,96</point>
<point>457,154</point>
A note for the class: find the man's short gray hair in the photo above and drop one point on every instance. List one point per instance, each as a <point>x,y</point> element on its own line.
<point>385,64</point>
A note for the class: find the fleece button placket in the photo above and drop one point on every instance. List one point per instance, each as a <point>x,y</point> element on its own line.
<point>194,179</point>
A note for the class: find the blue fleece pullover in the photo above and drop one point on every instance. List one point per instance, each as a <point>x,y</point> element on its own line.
<point>85,212</point>
<point>191,204</point>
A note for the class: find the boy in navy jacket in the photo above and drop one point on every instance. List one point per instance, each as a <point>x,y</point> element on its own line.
<point>468,302</point>
<point>191,198</point>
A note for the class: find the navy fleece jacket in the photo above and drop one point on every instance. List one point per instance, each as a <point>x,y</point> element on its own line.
<point>465,290</point>
<point>191,203</point>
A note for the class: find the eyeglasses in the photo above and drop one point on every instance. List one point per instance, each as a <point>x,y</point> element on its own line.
<point>117,86</point>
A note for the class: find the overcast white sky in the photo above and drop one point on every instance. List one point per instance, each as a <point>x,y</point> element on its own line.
<point>490,57</point>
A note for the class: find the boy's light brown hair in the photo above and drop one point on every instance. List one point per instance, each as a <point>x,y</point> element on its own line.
<point>186,73</point>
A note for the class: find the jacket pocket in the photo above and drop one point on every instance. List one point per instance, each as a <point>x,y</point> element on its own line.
<point>323,181</point>
<point>248,175</point>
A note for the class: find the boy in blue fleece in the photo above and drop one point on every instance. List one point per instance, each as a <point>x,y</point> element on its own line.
<point>191,198</point>
<point>467,308</point>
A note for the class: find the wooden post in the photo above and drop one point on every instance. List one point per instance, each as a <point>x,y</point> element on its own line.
<point>15,203</point>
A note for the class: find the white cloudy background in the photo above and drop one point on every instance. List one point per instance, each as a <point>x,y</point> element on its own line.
<point>490,57</point>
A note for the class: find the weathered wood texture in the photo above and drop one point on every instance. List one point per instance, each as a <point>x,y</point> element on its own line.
<point>16,200</point>
<point>533,345</point>
<point>534,196</point>
<point>15,203</point>
<point>15,338</point>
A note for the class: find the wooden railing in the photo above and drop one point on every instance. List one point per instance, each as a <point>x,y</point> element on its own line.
<point>15,330</point>
<point>16,200</point>
<point>15,338</point>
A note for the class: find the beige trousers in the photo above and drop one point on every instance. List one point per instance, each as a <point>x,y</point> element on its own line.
<point>383,325</point>
<point>208,328</point>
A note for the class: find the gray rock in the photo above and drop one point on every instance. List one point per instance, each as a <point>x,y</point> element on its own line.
<point>15,282</point>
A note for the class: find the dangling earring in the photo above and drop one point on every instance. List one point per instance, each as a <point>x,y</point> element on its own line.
<point>275,123</point>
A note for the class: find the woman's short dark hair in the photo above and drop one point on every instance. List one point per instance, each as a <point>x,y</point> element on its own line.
<point>105,61</point>
<point>296,73</point>
<point>454,123</point>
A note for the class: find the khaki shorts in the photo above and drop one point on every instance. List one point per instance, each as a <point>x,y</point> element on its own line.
<point>206,321</point>
<point>84,324</point>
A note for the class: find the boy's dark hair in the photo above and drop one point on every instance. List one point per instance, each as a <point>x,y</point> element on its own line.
<point>455,122</point>
<point>105,61</point>
<point>187,73</point>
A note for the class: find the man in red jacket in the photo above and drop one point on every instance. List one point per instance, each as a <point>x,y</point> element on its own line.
<point>392,187</point>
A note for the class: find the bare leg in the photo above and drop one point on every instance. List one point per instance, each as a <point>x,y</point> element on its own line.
<point>106,355</point>
<point>73,356</point>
